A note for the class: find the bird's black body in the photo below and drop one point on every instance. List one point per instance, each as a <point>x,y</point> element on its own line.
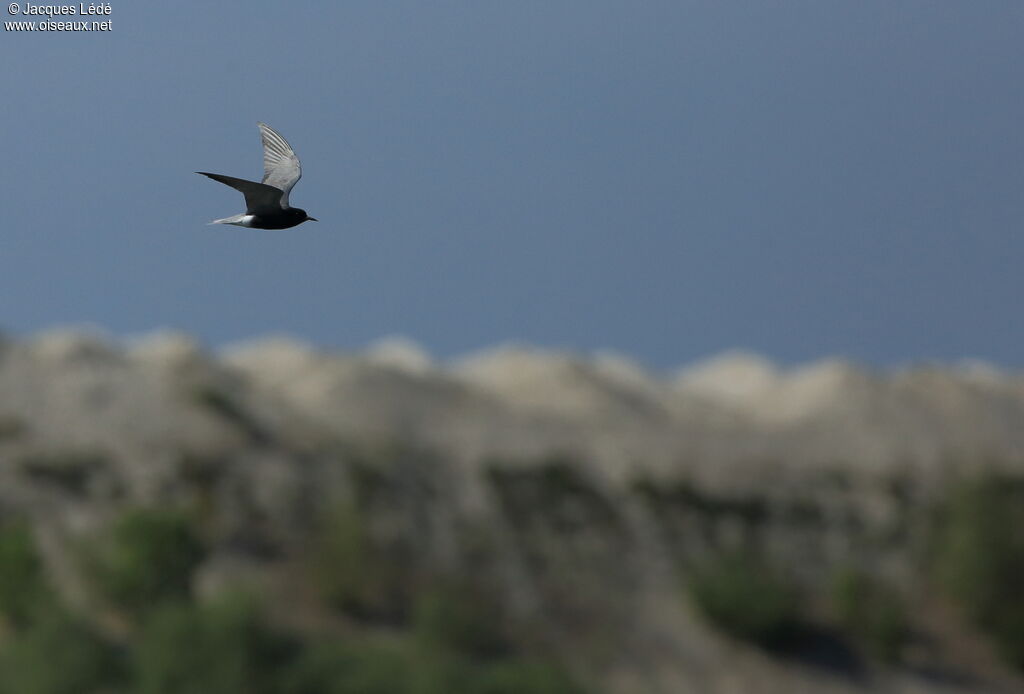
<point>285,219</point>
<point>266,202</point>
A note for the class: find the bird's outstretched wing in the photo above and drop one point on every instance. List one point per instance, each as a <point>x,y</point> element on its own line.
<point>281,168</point>
<point>259,197</point>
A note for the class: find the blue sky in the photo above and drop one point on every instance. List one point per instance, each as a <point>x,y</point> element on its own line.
<point>663,179</point>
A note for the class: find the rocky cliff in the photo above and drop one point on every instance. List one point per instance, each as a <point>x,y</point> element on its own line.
<point>599,506</point>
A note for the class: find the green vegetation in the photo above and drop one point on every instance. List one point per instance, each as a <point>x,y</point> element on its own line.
<point>394,623</point>
<point>740,594</point>
<point>22,585</point>
<point>57,654</point>
<point>980,559</point>
<point>870,613</point>
<point>451,635</point>
<point>344,667</point>
<point>520,677</point>
<point>147,557</point>
<point>371,666</point>
<point>354,574</point>
<point>455,617</point>
<point>221,647</point>
<point>228,646</point>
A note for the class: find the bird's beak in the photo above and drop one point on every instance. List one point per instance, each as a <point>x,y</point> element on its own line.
<point>312,219</point>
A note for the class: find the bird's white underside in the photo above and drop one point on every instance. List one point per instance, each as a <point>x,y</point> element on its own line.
<point>239,220</point>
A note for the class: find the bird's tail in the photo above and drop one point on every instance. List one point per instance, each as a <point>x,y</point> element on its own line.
<point>238,219</point>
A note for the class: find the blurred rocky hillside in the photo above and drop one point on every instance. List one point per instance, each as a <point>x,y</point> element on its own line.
<point>579,523</point>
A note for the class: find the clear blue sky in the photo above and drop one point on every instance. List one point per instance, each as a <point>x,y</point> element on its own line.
<point>666,179</point>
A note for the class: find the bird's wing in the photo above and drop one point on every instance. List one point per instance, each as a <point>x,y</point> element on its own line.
<point>259,197</point>
<point>281,167</point>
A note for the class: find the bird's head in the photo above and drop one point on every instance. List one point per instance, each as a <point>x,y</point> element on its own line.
<point>303,216</point>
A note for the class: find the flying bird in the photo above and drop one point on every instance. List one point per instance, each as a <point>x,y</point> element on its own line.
<point>266,203</point>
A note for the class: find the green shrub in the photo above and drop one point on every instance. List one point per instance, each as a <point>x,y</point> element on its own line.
<point>337,667</point>
<point>355,575</point>
<point>369,667</point>
<point>740,594</point>
<point>57,654</point>
<point>222,647</point>
<point>872,614</point>
<point>458,618</point>
<point>980,559</point>
<point>522,677</point>
<point>148,556</point>
<point>22,583</point>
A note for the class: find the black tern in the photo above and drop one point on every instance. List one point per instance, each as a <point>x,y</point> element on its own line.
<point>266,203</point>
